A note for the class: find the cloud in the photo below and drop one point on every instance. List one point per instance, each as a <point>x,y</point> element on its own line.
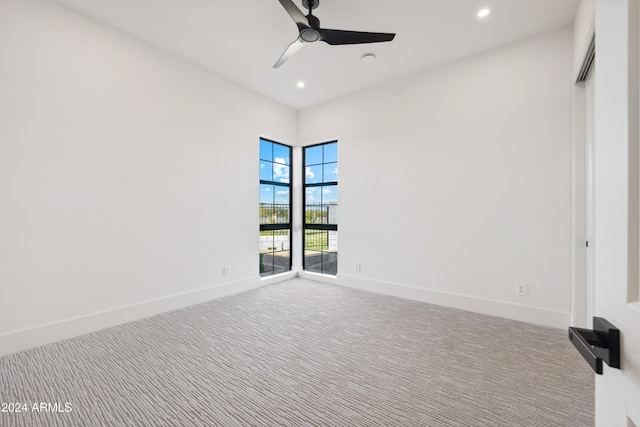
<point>326,191</point>
<point>266,189</point>
<point>309,173</point>
<point>282,192</point>
<point>280,171</point>
<point>310,195</point>
<point>262,165</point>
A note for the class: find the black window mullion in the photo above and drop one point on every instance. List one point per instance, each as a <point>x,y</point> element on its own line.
<point>281,184</point>
<point>321,184</point>
<point>279,226</point>
<point>329,227</point>
<point>304,207</point>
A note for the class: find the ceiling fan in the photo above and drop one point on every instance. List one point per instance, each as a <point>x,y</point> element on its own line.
<point>310,31</point>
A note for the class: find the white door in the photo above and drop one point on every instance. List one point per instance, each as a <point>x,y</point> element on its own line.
<point>617,124</point>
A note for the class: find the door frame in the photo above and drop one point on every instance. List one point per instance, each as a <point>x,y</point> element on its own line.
<point>580,175</point>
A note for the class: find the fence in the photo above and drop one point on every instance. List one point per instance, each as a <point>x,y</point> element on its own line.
<point>274,213</point>
<point>321,213</point>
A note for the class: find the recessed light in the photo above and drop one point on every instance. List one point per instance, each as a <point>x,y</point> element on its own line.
<point>300,84</point>
<point>368,57</point>
<point>483,13</point>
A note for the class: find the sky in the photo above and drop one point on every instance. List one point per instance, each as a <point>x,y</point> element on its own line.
<point>321,165</point>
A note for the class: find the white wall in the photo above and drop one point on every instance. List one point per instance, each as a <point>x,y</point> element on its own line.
<point>128,179</point>
<point>456,183</point>
<point>126,176</point>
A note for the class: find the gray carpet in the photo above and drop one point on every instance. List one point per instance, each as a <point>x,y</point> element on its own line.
<point>301,353</point>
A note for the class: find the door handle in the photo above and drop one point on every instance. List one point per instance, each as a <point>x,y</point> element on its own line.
<point>597,345</point>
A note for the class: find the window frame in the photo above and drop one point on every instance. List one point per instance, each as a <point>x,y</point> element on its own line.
<point>305,226</point>
<point>289,185</point>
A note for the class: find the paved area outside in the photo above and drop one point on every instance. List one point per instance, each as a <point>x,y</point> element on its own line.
<point>275,263</point>
<point>316,262</point>
<point>321,262</point>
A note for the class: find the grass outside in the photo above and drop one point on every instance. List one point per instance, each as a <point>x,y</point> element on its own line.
<point>275,233</point>
<point>316,240</point>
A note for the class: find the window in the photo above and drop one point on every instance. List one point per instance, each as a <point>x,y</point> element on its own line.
<point>321,208</point>
<point>275,208</point>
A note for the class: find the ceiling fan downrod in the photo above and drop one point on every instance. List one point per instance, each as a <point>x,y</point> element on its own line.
<point>310,4</point>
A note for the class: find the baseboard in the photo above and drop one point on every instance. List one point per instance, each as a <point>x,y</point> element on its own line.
<point>268,280</point>
<point>523,313</point>
<point>317,277</point>
<point>15,341</point>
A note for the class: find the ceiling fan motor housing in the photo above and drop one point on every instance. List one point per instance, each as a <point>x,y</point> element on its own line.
<point>309,35</point>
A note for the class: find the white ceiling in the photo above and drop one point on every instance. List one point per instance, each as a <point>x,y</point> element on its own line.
<point>242,39</point>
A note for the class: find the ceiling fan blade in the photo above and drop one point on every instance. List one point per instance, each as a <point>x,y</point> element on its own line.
<point>295,14</point>
<point>337,37</point>
<point>289,52</point>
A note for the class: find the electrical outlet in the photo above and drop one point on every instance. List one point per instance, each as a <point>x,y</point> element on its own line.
<point>225,270</point>
<point>521,288</point>
<point>358,266</point>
